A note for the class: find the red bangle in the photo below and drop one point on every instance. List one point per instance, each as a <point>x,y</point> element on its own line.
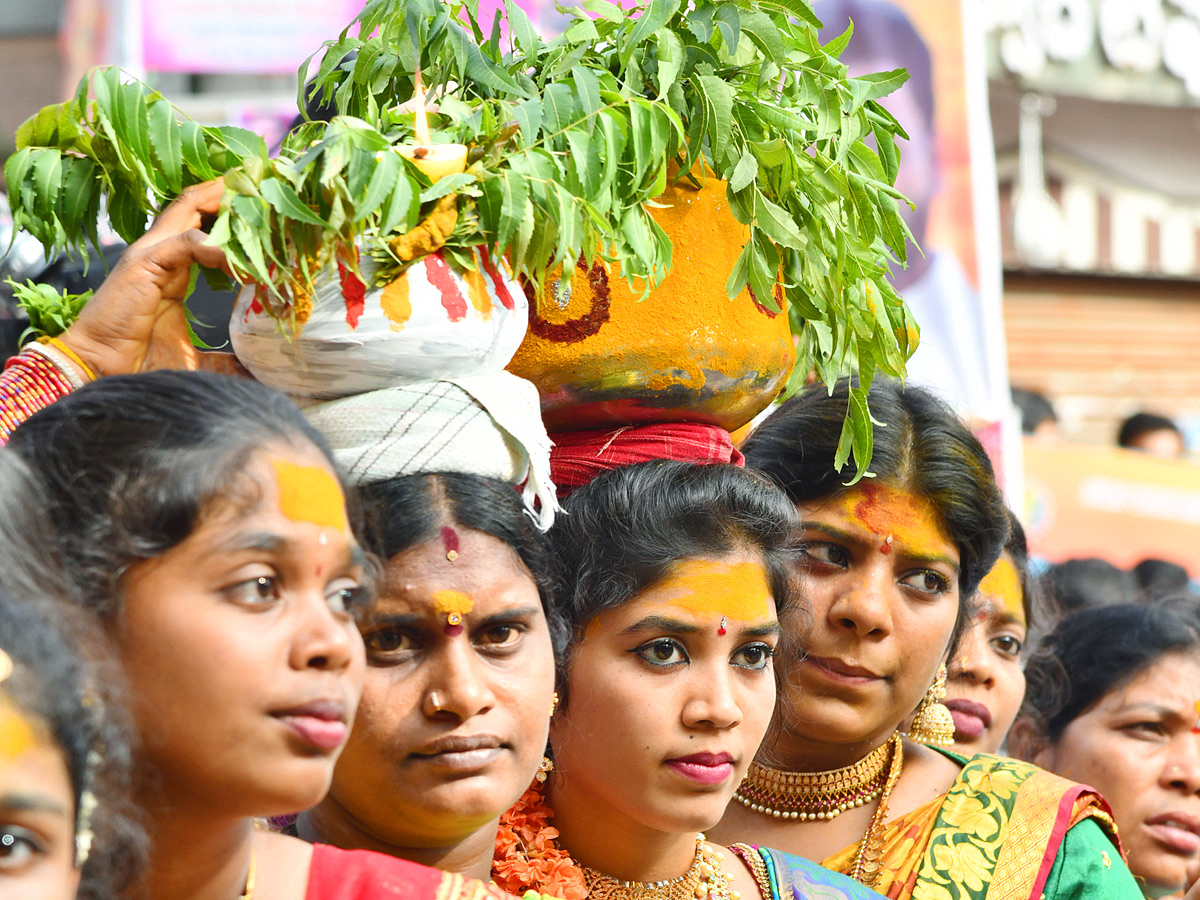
<point>29,383</point>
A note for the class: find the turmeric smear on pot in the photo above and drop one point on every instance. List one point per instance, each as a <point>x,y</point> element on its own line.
<point>395,302</point>
<point>477,291</point>
<point>430,233</point>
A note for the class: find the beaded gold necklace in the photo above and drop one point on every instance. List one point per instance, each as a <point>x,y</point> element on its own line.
<point>824,795</point>
<point>814,795</point>
<point>705,879</point>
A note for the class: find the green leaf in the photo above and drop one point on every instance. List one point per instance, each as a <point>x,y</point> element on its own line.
<point>78,188</point>
<point>47,178</point>
<point>514,203</point>
<point>605,10</point>
<point>801,9</point>
<point>448,184</point>
<point>765,33</point>
<point>585,160</point>
<point>126,215</point>
<point>166,143</point>
<point>777,224</point>
<point>243,143</point>
<point>388,170</point>
<point>729,24</point>
<point>285,201</point>
<point>744,173</point>
<point>582,32</point>
<point>670,60</point>
<point>522,30</point>
<point>195,150</point>
<point>654,16</point>
<point>587,89</point>
<point>399,210</point>
<point>528,114</point>
<point>133,124</point>
<point>480,69</point>
<point>718,97</point>
<point>558,108</point>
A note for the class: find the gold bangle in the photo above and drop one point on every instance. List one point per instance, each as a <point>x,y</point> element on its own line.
<point>71,355</point>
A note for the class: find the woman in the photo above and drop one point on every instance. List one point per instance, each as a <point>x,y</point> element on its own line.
<point>671,575</point>
<point>985,682</point>
<point>388,795</point>
<point>202,518</point>
<point>890,563</point>
<point>1114,702</point>
<point>460,675</point>
<point>59,678</point>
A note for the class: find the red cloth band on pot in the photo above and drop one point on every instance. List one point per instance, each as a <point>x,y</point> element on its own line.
<point>579,456</point>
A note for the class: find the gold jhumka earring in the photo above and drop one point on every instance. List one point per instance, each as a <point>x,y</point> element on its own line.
<point>933,723</point>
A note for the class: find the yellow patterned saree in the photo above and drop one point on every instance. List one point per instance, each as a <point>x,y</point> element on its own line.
<point>1006,830</point>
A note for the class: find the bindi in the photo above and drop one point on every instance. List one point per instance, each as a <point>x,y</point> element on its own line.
<point>1196,727</point>
<point>310,494</point>
<point>450,542</point>
<point>886,547</point>
<point>454,605</point>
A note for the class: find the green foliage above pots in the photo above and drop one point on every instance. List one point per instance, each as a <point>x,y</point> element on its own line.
<point>569,141</point>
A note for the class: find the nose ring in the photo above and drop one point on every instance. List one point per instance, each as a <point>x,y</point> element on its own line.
<point>435,701</point>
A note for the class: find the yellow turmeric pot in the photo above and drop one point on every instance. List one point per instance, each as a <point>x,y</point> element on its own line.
<point>601,356</point>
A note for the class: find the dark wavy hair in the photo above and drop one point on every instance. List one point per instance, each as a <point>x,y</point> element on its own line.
<point>1097,650</point>
<point>411,509</point>
<point>922,447</point>
<point>63,677</point>
<point>130,463</point>
<point>624,531</point>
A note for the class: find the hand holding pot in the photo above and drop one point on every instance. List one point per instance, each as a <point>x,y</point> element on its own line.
<point>136,322</point>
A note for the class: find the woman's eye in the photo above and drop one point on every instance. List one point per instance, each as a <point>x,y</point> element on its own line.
<point>821,552</point>
<point>663,652</point>
<point>18,847</point>
<point>1146,728</point>
<point>927,582</point>
<point>255,591</point>
<point>1007,644</point>
<point>501,636</point>
<point>389,640</point>
<point>348,600</point>
<point>753,656</point>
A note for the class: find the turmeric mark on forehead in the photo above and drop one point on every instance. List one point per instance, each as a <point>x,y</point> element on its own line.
<point>896,515</point>
<point>720,589</point>
<point>310,494</point>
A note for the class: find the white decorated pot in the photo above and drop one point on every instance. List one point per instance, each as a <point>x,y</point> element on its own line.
<point>433,322</point>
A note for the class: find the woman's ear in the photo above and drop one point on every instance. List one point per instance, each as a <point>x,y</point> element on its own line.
<point>1025,741</point>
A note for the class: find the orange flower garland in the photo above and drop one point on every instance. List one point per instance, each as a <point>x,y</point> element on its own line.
<point>527,858</point>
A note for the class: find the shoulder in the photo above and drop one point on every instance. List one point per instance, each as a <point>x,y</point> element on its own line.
<point>1089,865</point>
<point>807,879</point>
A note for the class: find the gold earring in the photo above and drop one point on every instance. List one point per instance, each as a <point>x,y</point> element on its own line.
<point>544,769</point>
<point>933,723</point>
<point>553,704</point>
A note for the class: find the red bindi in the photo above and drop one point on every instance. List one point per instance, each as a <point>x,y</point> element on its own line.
<point>450,542</point>
<point>886,547</point>
<point>721,627</point>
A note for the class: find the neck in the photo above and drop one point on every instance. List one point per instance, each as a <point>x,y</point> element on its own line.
<point>605,839</point>
<point>797,753</point>
<point>193,857</point>
<point>471,854</point>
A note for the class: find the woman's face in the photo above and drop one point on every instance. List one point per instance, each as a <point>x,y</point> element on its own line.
<point>1140,748</point>
<point>881,579</point>
<point>37,811</point>
<point>669,696</point>
<point>453,719</point>
<point>986,682</point>
<point>240,643</point>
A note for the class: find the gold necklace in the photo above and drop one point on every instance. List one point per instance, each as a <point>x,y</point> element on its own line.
<point>705,879</point>
<point>866,860</point>
<point>808,796</point>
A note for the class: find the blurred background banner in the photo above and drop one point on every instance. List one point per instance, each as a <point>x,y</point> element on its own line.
<point>1115,504</point>
<point>265,37</point>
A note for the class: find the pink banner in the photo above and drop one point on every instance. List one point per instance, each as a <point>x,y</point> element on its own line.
<point>240,36</point>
